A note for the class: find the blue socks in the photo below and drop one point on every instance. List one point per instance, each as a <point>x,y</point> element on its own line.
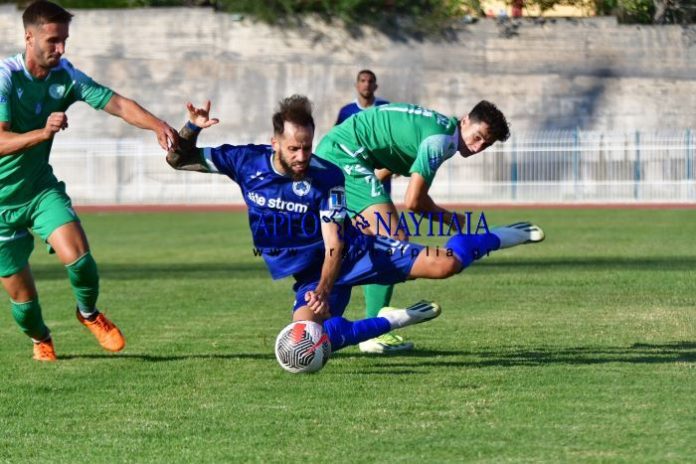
<point>468,248</point>
<point>343,332</point>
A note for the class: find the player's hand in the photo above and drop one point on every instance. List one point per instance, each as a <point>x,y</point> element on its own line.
<point>167,137</point>
<point>318,303</point>
<point>201,116</point>
<point>56,122</point>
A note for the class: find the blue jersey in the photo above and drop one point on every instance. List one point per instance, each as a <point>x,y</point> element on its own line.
<point>285,215</point>
<point>352,108</point>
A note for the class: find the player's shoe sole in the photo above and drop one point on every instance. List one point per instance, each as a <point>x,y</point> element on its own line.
<point>105,331</point>
<point>385,344</point>
<point>44,351</point>
<point>519,233</point>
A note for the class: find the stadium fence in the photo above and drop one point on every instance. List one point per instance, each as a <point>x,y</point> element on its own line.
<point>538,167</point>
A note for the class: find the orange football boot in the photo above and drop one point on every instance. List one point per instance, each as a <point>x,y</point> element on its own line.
<point>106,332</point>
<point>44,351</point>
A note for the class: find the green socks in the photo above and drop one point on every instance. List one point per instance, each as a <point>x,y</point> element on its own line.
<point>84,280</point>
<point>377,297</point>
<point>28,317</point>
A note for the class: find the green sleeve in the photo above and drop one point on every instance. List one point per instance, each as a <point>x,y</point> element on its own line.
<point>5,91</point>
<point>432,152</point>
<point>91,92</point>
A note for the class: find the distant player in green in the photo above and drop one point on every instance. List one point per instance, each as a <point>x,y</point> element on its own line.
<point>36,88</point>
<point>411,141</point>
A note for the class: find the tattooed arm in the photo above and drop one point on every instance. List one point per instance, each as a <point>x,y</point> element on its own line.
<point>188,157</point>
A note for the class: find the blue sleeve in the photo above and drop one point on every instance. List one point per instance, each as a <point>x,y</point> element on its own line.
<point>333,202</point>
<point>225,159</point>
<point>344,114</point>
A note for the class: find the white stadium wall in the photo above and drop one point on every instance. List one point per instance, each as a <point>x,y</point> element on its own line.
<point>596,89</point>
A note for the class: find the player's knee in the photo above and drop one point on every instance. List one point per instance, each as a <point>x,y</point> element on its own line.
<point>443,267</point>
<point>305,314</point>
<point>450,266</point>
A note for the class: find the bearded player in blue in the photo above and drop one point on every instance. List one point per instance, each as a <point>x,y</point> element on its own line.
<point>297,215</point>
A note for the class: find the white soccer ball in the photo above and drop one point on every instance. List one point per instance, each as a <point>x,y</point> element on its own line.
<point>302,347</point>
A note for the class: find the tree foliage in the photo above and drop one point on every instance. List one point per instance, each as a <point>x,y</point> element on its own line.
<point>412,17</point>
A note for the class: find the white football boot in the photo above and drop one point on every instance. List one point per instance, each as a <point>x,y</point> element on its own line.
<point>518,233</point>
<point>414,314</point>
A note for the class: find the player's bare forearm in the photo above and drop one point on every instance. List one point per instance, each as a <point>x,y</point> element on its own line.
<point>419,201</point>
<point>186,157</point>
<point>135,115</point>
<point>428,205</point>
<point>318,299</point>
<point>331,267</point>
<point>12,143</point>
<point>131,112</point>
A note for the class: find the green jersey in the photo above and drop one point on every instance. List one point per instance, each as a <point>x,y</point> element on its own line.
<point>25,103</point>
<point>401,137</point>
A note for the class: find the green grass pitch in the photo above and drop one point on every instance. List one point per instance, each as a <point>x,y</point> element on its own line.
<point>579,349</point>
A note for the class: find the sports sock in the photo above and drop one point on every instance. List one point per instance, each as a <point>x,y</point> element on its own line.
<point>28,317</point>
<point>343,332</point>
<point>84,280</point>
<point>376,297</point>
<point>468,248</point>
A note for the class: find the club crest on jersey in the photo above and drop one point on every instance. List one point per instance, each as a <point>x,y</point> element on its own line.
<point>301,187</point>
<point>56,91</point>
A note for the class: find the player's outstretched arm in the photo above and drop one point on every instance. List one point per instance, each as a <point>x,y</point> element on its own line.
<point>187,156</point>
<point>418,200</point>
<point>12,143</point>
<point>318,300</point>
<point>134,114</point>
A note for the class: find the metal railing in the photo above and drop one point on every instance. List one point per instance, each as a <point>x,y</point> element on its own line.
<point>541,167</point>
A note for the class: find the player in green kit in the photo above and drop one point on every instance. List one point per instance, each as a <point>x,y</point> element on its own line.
<point>412,141</point>
<point>36,88</point>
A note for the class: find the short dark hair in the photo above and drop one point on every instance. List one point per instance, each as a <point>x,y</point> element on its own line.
<point>487,112</point>
<point>296,109</point>
<point>365,71</point>
<point>43,12</point>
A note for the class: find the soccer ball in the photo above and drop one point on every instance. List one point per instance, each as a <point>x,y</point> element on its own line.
<point>302,347</point>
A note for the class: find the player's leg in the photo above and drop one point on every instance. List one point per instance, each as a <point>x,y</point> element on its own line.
<point>461,250</point>
<point>26,311</point>
<point>458,253</point>
<point>342,332</point>
<point>377,216</point>
<point>15,248</point>
<point>381,219</point>
<point>370,207</point>
<point>56,222</point>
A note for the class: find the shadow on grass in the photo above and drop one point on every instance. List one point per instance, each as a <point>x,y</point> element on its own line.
<point>232,270</point>
<point>638,353</point>
<point>663,263</point>
<point>168,358</point>
<point>257,269</point>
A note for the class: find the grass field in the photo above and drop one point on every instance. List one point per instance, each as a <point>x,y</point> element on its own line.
<point>580,349</point>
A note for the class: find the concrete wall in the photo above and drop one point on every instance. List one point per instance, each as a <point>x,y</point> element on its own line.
<point>590,73</point>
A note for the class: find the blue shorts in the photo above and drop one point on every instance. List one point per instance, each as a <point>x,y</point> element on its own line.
<point>377,260</point>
